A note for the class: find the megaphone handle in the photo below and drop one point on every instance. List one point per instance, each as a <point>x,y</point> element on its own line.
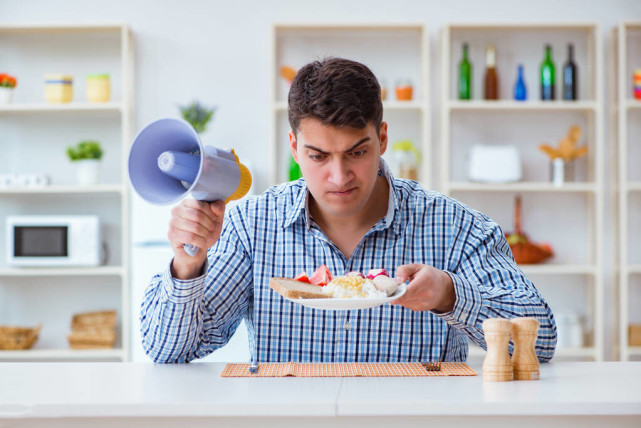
<point>190,249</point>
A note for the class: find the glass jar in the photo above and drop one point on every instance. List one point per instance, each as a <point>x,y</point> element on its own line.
<point>58,88</point>
<point>98,88</point>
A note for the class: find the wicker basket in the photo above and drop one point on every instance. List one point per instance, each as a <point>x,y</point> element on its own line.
<point>16,338</point>
<point>93,319</point>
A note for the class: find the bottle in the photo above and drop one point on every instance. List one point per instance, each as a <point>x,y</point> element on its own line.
<point>520,90</point>
<point>491,87</point>
<point>294,169</point>
<point>570,76</point>
<point>547,76</point>
<point>465,76</point>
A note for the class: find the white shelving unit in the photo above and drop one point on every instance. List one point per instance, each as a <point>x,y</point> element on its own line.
<point>627,112</point>
<point>392,52</point>
<point>34,138</point>
<point>573,280</point>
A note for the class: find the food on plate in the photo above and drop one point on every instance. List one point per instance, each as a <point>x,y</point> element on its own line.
<point>377,284</point>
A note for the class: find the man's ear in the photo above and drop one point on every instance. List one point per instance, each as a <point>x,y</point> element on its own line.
<point>292,145</point>
<point>382,135</point>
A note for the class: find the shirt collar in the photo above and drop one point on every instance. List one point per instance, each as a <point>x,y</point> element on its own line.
<point>300,205</point>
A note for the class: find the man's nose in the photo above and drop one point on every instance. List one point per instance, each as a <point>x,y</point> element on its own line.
<point>340,173</point>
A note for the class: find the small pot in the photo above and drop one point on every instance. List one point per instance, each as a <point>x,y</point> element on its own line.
<point>561,172</point>
<point>6,95</point>
<point>88,171</point>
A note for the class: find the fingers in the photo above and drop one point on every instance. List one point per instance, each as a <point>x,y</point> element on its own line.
<point>196,222</point>
<point>407,272</point>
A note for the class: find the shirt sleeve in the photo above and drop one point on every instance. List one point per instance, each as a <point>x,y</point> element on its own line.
<point>182,320</point>
<point>489,284</point>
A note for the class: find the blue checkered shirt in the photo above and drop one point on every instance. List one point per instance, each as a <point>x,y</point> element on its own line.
<point>272,235</point>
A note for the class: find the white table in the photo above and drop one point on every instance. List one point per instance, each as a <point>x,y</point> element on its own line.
<point>146,395</point>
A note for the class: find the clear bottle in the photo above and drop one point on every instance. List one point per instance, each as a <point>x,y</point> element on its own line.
<point>491,86</point>
<point>548,89</point>
<point>465,76</point>
<point>570,76</point>
<point>520,89</point>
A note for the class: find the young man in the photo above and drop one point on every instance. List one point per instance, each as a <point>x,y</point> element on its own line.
<point>350,214</point>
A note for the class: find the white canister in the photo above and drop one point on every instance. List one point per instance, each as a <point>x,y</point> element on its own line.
<point>569,330</point>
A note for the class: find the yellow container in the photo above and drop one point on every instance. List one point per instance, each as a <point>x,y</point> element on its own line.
<point>98,88</point>
<point>58,88</point>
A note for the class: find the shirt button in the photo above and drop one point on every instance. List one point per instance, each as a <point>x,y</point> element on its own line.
<point>347,326</point>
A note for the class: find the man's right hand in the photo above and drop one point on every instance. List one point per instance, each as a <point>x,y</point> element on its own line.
<point>198,223</point>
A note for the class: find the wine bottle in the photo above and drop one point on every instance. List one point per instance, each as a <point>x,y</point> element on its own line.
<point>491,87</point>
<point>570,76</point>
<point>294,169</point>
<point>520,90</point>
<point>548,76</point>
<point>465,76</point>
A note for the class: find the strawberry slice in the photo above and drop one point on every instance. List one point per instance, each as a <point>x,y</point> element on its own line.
<point>376,272</point>
<point>302,277</point>
<point>321,276</point>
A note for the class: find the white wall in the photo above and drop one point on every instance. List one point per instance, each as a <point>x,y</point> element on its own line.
<point>219,52</point>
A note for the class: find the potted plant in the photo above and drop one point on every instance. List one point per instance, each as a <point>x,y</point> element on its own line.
<point>86,155</point>
<point>7,84</point>
<point>197,115</point>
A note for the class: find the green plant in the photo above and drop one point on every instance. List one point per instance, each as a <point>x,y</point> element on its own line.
<point>197,115</point>
<point>88,149</point>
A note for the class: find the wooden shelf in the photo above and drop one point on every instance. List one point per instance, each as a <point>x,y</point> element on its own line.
<point>62,189</point>
<point>75,107</point>
<point>521,106</point>
<point>522,187</point>
<point>63,354</point>
<point>47,272</point>
<point>551,269</point>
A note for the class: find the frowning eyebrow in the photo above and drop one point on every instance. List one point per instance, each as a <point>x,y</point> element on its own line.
<point>307,146</point>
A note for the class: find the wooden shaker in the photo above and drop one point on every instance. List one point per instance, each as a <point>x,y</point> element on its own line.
<point>524,334</point>
<point>497,366</point>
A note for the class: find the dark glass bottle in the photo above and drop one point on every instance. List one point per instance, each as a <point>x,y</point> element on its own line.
<point>570,76</point>
<point>520,90</point>
<point>491,86</point>
<point>548,89</point>
<point>465,76</point>
<point>294,169</point>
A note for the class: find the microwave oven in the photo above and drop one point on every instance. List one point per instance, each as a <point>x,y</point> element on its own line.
<point>53,240</point>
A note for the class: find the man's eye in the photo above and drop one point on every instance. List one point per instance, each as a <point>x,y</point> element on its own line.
<point>358,153</point>
<point>317,157</point>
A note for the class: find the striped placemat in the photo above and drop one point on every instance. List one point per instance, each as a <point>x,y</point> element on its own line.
<point>345,370</point>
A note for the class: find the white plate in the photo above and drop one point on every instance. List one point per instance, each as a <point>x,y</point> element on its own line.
<point>346,304</point>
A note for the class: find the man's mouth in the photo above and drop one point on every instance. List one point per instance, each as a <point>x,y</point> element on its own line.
<point>345,192</point>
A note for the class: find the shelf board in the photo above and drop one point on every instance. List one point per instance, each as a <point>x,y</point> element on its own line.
<point>63,354</point>
<point>31,28</point>
<point>634,269</point>
<point>525,106</point>
<point>552,269</point>
<point>631,186</point>
<point>392,105</point>
<point>633,105</point>
<point>62,189</point>
<point>72,106</point>
<point>74,271</point>
<point>634,350</point>
<point>522,187</point>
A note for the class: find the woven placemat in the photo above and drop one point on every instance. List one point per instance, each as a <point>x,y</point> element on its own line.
<point>345,370</point>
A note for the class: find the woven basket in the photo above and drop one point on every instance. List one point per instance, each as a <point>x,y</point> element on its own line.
<point>93,319</point>
<point>528,253</point>
<point>92,338</point>
<point>16,338</point>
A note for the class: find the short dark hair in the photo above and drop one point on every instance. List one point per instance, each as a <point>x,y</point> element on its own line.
<point>338,92</point>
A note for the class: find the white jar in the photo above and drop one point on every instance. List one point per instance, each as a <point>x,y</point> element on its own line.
<point>569,330</point>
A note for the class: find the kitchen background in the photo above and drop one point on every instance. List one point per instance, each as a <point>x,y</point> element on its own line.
<point>161,55</point>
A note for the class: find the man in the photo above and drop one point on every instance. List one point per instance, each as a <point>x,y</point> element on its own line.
<point>350,214</point>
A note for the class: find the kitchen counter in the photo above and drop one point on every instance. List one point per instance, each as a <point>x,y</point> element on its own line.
<point>146,395</point>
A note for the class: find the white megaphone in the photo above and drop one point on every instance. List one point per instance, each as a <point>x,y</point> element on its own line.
<point>167,161</point>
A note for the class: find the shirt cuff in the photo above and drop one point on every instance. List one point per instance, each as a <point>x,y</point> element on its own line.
<point>182,291</point>
<point>468,304</point>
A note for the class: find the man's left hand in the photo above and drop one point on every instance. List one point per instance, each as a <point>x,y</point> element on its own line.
<point>430,289</point>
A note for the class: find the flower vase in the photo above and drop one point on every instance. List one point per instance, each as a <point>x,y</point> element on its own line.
<point>561,172</point>
<point>6,94</point>
<point>88,171</point>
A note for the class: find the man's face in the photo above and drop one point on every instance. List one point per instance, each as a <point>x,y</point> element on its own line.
<point>340,165</point>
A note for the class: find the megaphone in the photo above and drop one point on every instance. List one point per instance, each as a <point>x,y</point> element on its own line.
<point>167,161</point>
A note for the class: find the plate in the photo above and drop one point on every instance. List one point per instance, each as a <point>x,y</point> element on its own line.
<point>347,304</point>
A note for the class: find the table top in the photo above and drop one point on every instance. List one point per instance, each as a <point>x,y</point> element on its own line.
<point>45,390</point>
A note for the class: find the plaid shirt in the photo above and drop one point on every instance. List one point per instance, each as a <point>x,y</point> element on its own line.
<point>272,235</point>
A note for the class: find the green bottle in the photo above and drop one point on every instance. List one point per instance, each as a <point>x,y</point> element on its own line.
<point>294,169</point>
<point>464,77</point>
<point>548,91</point>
